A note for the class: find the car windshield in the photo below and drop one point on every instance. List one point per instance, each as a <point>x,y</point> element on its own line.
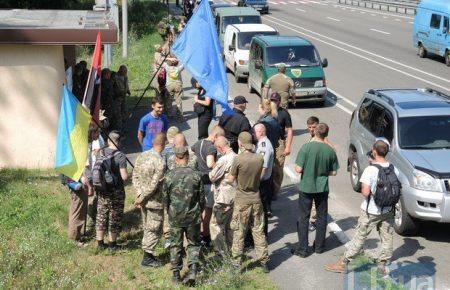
<point>427,132</point>
<point>305,55</point>
<point>228,20</point>
<point>245,38</point>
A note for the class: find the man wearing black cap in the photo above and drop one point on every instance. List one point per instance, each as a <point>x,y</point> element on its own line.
<point>236,123</point>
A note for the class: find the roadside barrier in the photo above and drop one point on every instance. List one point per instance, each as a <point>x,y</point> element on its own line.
<point>403,7</point>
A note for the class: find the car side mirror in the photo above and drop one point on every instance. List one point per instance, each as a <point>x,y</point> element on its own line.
<point>324,62</point>
<point>231,47</point>
<point>258,64</point>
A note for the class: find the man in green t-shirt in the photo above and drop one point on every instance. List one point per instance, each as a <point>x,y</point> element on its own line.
<point>315,161</point>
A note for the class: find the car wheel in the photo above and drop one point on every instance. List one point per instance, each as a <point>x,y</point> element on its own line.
<point>236,76</point>
<point>355,172</point>
<point>250,88</point>
<point>404,224</point>
<point>422,51</point>
<point>447,58</point>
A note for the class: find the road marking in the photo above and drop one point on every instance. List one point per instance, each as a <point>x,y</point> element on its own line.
<point>363,50</point>
<point>334,19</point>
<point>373,14</point>
<point>380,31</point>
<point>284,3</point>
<point>301,10</point>
<point>332,225</point>
<point>273,3</point>
<point>396,19</point>
<point>359,55</point>
<point>339,96</point>
<point>385,17</point>
<point>362,12</point>
<point>292,2</point>
<point>381,13</point>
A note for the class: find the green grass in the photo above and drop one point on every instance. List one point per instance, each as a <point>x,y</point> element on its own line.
<point>35,252</point>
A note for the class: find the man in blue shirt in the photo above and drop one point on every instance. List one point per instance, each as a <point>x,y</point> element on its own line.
<point>151,124</point>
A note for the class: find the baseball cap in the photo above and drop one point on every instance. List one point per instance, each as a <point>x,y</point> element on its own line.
<point>171,132</point>
<point>275,97</point>
<point>281,66</point>
<point>246,140</point>
<point>239,100</point>
<point>180,151</point>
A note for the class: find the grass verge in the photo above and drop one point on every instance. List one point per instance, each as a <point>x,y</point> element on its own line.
<point>35,253</point>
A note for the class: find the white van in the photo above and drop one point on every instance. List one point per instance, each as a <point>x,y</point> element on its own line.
<point>236,46</point>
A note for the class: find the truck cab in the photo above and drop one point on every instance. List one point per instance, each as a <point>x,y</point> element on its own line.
<point>303,65</point>
<point>234,15</point>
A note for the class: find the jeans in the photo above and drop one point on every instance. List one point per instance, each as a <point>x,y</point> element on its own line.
<point>305,201</point>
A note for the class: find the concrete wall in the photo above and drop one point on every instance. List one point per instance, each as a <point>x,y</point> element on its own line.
<point>31,78</point>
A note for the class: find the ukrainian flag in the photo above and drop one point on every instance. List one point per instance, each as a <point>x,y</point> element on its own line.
<point>72,137</point>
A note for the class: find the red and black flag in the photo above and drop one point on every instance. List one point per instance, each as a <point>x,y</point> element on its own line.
<point>92,95</point>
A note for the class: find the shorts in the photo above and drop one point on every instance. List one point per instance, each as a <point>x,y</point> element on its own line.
<point>110,211</point>
<point>209,196</point>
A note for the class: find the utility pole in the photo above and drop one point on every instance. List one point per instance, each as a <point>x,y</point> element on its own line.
<point>124,28</point>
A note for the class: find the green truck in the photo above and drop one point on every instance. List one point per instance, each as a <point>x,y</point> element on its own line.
<point>302,60</point>
<point>234,15</point>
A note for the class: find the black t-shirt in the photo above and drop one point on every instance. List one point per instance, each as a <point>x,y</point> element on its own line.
<point>119,162</point>
<point>206,149</point>
<point>284,119</point>
<point>209,110</point>
<point>234,125</point>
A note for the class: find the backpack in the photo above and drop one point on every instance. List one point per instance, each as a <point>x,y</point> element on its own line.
<point>104,179</point>
<point>388,190</point>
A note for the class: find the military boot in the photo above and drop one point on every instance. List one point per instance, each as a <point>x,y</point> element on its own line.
<point>176,278</point>
<point>149,261</point>
<point>191,276</point>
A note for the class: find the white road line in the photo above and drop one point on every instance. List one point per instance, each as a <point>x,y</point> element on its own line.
<point>385,17</point>
<point>284,3</point>
<point>381,13</point>
<point>396,19</point>
<point>411,22</point>
<point>301,10</point>
<point>340,97</point>
<point>373,14</point>
<point>334,19</point>
<point>356,54</point>
<point>332,225</point>
<point>292,2</point>
<point>334,102</point>
<point>380,31</point>
<point>274,3</point>
<point>365,51</point>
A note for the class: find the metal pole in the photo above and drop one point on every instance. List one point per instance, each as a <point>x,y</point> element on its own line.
<point>124,28</point>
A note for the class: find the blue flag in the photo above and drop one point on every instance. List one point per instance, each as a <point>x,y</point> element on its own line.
<point>198,48</point>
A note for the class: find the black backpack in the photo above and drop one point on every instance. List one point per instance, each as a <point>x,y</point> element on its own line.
<point>389,188</point>
<point>104,179</point>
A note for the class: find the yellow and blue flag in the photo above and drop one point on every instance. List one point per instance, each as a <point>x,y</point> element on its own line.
<point>72,137</point>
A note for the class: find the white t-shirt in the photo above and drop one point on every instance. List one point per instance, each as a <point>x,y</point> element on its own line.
<point>369,177</point>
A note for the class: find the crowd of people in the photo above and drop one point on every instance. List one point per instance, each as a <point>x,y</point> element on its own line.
<point>216,194</point>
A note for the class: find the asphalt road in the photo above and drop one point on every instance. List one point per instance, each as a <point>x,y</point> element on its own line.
<point>365,49</point>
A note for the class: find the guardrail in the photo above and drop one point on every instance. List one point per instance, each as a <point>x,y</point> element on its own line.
<point>404,7</point>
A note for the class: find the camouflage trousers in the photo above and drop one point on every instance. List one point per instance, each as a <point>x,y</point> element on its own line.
<point>167,99</point>
<point>175,93</point>
<point>166,225</point>
<point>110,211</point>
<point>278,167</point>
<point>152,221</point>
<point>245,216</point>
<point>177,234</point>
<point>366,223</point>
<point>219,228</point>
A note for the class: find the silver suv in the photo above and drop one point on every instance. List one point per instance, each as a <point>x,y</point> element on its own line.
<point>417,124</point>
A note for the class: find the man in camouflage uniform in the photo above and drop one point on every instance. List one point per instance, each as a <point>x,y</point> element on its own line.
<point>184,200</point>
<point>110,205</point>
<point>281,84</point>
<point>121,90</point>
<point>174,86</point>
<point>180,141</point>
<point>147,176</point>
<point>248,210</point>
<point>224,193</point>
